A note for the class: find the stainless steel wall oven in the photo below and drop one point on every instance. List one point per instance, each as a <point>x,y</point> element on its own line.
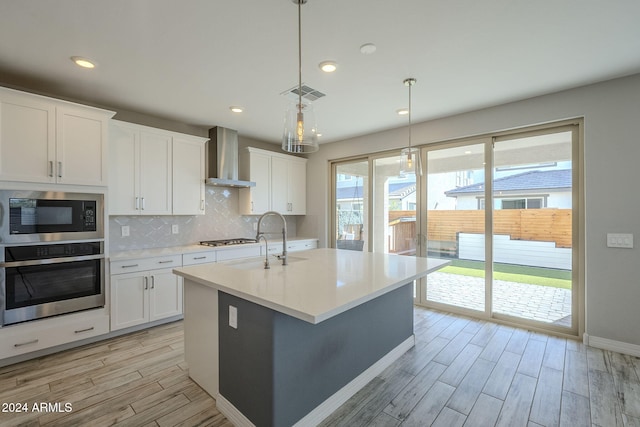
<point>51,254</point>
<point>45,280</point>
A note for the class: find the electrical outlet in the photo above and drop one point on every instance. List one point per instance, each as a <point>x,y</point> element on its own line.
<point>233,317</point>
<point>124,231</point>
<point>175,229</point>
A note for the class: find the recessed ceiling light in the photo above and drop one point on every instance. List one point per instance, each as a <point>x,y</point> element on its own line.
<point>236,109</point>
<point>402,111</point>
<point>368,48</point>
<point>83,62</point>
<point>328,66</point>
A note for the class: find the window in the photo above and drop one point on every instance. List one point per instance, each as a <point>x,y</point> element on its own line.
<point>533,203</point>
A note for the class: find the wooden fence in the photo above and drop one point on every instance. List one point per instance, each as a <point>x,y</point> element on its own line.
<point>545,225</point>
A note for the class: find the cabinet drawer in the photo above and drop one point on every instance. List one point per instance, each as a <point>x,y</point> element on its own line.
<point>142,264</point>
<point>32,336</point>
<point>198,258</point>
<point>302,245</point>
<point>238,252</point>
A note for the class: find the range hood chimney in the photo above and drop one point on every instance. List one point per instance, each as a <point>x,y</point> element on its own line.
<point>222,159</point>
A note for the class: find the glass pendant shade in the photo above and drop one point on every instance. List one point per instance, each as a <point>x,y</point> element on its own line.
<point>410,162</point>
<point>300,132</point>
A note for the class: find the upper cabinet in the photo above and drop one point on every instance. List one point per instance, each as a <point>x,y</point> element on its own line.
<point>280,180</point>
<point>155,172</point>
<point>51,141</point>
<point>188,176</point>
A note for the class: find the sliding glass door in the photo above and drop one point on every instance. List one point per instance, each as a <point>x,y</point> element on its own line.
<point>351,205</point>
<point>503,210</point>
<point>456,225</point>
<point>533,226</point>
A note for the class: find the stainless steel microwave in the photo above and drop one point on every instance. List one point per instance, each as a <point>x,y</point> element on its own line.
<point>43,216</point>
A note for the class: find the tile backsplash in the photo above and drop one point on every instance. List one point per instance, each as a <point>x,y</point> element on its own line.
<point>221,221</point>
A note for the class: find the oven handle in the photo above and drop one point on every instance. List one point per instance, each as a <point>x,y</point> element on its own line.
<point>51,261</point>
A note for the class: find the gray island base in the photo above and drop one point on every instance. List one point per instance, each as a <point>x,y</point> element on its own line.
<point>275,369</point>
<point>289,345</point>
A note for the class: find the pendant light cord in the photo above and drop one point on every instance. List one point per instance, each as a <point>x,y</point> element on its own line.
<point>410,84</point>
<point>300,56</point>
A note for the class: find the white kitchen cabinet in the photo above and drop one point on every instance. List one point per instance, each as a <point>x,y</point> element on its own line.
<point>155,172</point>
<point>255,165</point>
<point>280,183</point>
<point>275,248</point>
<point>144,290</point>
<point>188,176</point>
<point>51,141</point>
<point>50,332</point>
<point>297,188</point>
<point>156,187</point>
<point>194,258</point>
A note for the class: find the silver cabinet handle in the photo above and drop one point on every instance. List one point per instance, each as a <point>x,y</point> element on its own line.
<point>199,257</point>
<point>146,283</point>
<point>202,204</point>
<point>26,343</point>
<point>143,203</point>
<point>137,203</point>
<point>251,206</point>
<point>129,266</point>
<point>153,282</point>
<point>79,331</point>
<point>169,261</point>
<point>59,169</point>
<point>51,168</point>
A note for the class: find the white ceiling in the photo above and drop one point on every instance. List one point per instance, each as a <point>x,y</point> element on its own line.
<point>189,60</point>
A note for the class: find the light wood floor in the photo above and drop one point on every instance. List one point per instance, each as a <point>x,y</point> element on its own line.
<point>461,372</point>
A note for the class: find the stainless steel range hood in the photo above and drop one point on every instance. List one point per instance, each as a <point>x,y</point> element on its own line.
<point>222,159</point>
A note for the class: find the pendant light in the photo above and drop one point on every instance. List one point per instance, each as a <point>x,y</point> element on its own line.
<point>410,157</point>
<point>300,131</point>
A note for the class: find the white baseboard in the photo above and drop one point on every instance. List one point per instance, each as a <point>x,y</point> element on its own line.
<point>612,345</point>
<point>336,400</point>
<point>232,413</point>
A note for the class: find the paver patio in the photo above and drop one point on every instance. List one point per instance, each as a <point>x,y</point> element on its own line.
<point>534,302</point>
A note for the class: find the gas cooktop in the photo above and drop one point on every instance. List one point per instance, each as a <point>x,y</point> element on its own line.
<point>228,242</point>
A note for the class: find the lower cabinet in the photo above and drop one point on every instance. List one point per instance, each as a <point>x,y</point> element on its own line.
<point>40,334</point>
<point>144,296</point>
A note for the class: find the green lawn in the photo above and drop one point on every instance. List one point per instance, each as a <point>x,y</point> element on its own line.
<point>513,273</point>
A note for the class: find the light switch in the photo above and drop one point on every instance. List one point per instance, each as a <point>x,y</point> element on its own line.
<point>620,240</point>
<point>233,317</point>
<point>175,229</point>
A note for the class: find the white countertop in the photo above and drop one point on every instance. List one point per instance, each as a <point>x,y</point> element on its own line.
<point>317,284</point>
<point>185,249</point>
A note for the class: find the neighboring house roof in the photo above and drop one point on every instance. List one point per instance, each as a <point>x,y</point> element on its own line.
<point>400,189</point>
<point>526,181</point>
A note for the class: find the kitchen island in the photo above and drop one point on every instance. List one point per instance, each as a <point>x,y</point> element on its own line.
<point>290,344</point>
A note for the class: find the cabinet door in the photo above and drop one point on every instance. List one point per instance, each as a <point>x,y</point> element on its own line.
<point>81,145</point>
<point>165,294</point>
<point>124,165</point>
<point>297,188</point>
<point>129,300</point>
<point>27,139</point>
<point>279,185</point>
<point>259,197</point>
<point>155,174</point>
<point>188,177</point>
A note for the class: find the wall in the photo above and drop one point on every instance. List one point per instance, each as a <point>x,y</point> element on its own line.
<point>611,152</point>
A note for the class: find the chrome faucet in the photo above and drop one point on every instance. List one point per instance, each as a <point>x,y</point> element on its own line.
<point>282,257</point>
<point>266,250</point>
